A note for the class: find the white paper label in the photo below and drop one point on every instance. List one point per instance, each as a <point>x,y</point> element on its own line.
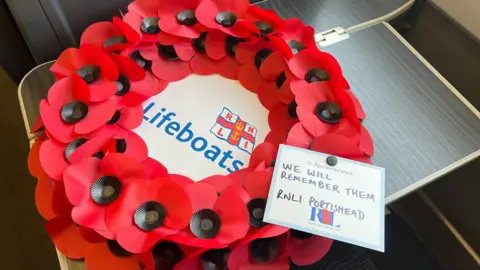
<point>203,125</point>
<point>344,202</point>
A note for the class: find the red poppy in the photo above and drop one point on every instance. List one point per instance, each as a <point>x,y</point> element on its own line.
<point>110,255</point>
<point>67,113</point>
<point>224,15</point>
<point>219,182</point>
<point>140,91</point>
<point>322,111</point>
<point>312,65</point>
<point>92,185</point>
<point>358,106</point>
<point>254,193</point>
<point>260,60</point>
<point>217,221</point>
<point>205,259</point>
<point>277,136</point>
<point>55,157</point>
<point>297,36</point>
<point>272,92</point>
<point>264,253</point>
<point>148,211</point>
<point>128,143</point>
<point>70,239</point>
<point>239,176</point>
<point>306,248</point>
<point>169,62</point>
<point>94,66</point>
<point>111,36</point>
<point>50,199</point>
<point>177,17</point>
<point>283,117</point>
<point>264,153</point>
<point>143,17</point>
<point>266,23</point>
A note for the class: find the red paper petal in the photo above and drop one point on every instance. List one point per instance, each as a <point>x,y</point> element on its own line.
<point>257,184</point>
<point>311,123</point>
<point>95,55</point>
<point>268,94</point>
<point>34,165</point>
<point>308,95</point>
<point>120,212</point>
<point>145,8</point>
<point>68,62</point>
<point>194,263</point>
<point>366,142</point>
<point>128,67</point>
<point>99,257</point>
<point>150,86</point>
<point>272,66</point>
<point>239,257</point>
<point>266,152</point>
<point>336,145</point>
<point>131,117</point>
<point>101,90</point>
<point>98,115</point>
<point>52,159</point>
<point>278,118</point>
<point>184,49</point>
<point>175,200</point>
<point>66,237</point>
<point>92,146</point>
<point>309,251</point>
<point>122,166</point>
<point>202,65</point>
<point>92,215</point>
<point>202,196</point>
<point>136,147</point>
<point>239,176</point>
<point>215,44</point>
<point>219,182</point>
<point>250,78</point>
<point>180,179</point>
<point>358,106</point>
<point>135,240</point>
<point>131,34</point>
<point>54,124</point>
<point>61,93</point>
<point>234,216</point>
<point>228,67</point>
<point>267,231</point>
<point>170,24</point>
<point>299,137</point>
<point>170,70</point>
<point>134,20</point>
<point>148,51</point>
<point>276,137</point>
<point>98,33</point>
<point>44,198</point>
<point>78,179</point>
<point>167,39</point>
<point>154,169</point>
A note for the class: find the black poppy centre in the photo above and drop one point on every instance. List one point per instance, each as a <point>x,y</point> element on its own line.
<point>328,112</point>
<point>150,215</point>
<point>74,112</point>
<point>106,189</point>
<point>199,43</point>
<point>205,223</point>
<point>89,73</point>
<point>226,19</point>
<point>187,17</point>
<point>150,26</point>
<point>264,250</point>
<point>123,85</point>
<point>142,62</point>
<point>74,145</point>
<point>115,40</point>
<point>167,254</point>
<point>215,259</point>
<point>317,75</point>
<point>256,210</point>
<point>231,44</point>
<point>167,52</point>
<point>264,28</point>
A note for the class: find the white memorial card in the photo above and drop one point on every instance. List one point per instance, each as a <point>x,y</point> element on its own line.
<point>340,199</point>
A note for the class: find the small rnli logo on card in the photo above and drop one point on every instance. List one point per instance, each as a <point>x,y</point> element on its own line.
<point>324,217</point>
<point>230,128</point>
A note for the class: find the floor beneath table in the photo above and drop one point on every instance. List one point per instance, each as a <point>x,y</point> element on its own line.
<point>27,246</point>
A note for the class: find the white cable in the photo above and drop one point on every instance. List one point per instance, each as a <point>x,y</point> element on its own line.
<point>384,18</point>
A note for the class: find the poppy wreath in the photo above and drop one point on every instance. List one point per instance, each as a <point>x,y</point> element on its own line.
<point>107,202</point>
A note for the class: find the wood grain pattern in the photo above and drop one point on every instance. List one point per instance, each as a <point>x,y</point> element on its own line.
<point>326,14</point>
<point>418,125</point>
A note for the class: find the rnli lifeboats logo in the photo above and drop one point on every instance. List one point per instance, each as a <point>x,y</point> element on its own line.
<point>229,127</point>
